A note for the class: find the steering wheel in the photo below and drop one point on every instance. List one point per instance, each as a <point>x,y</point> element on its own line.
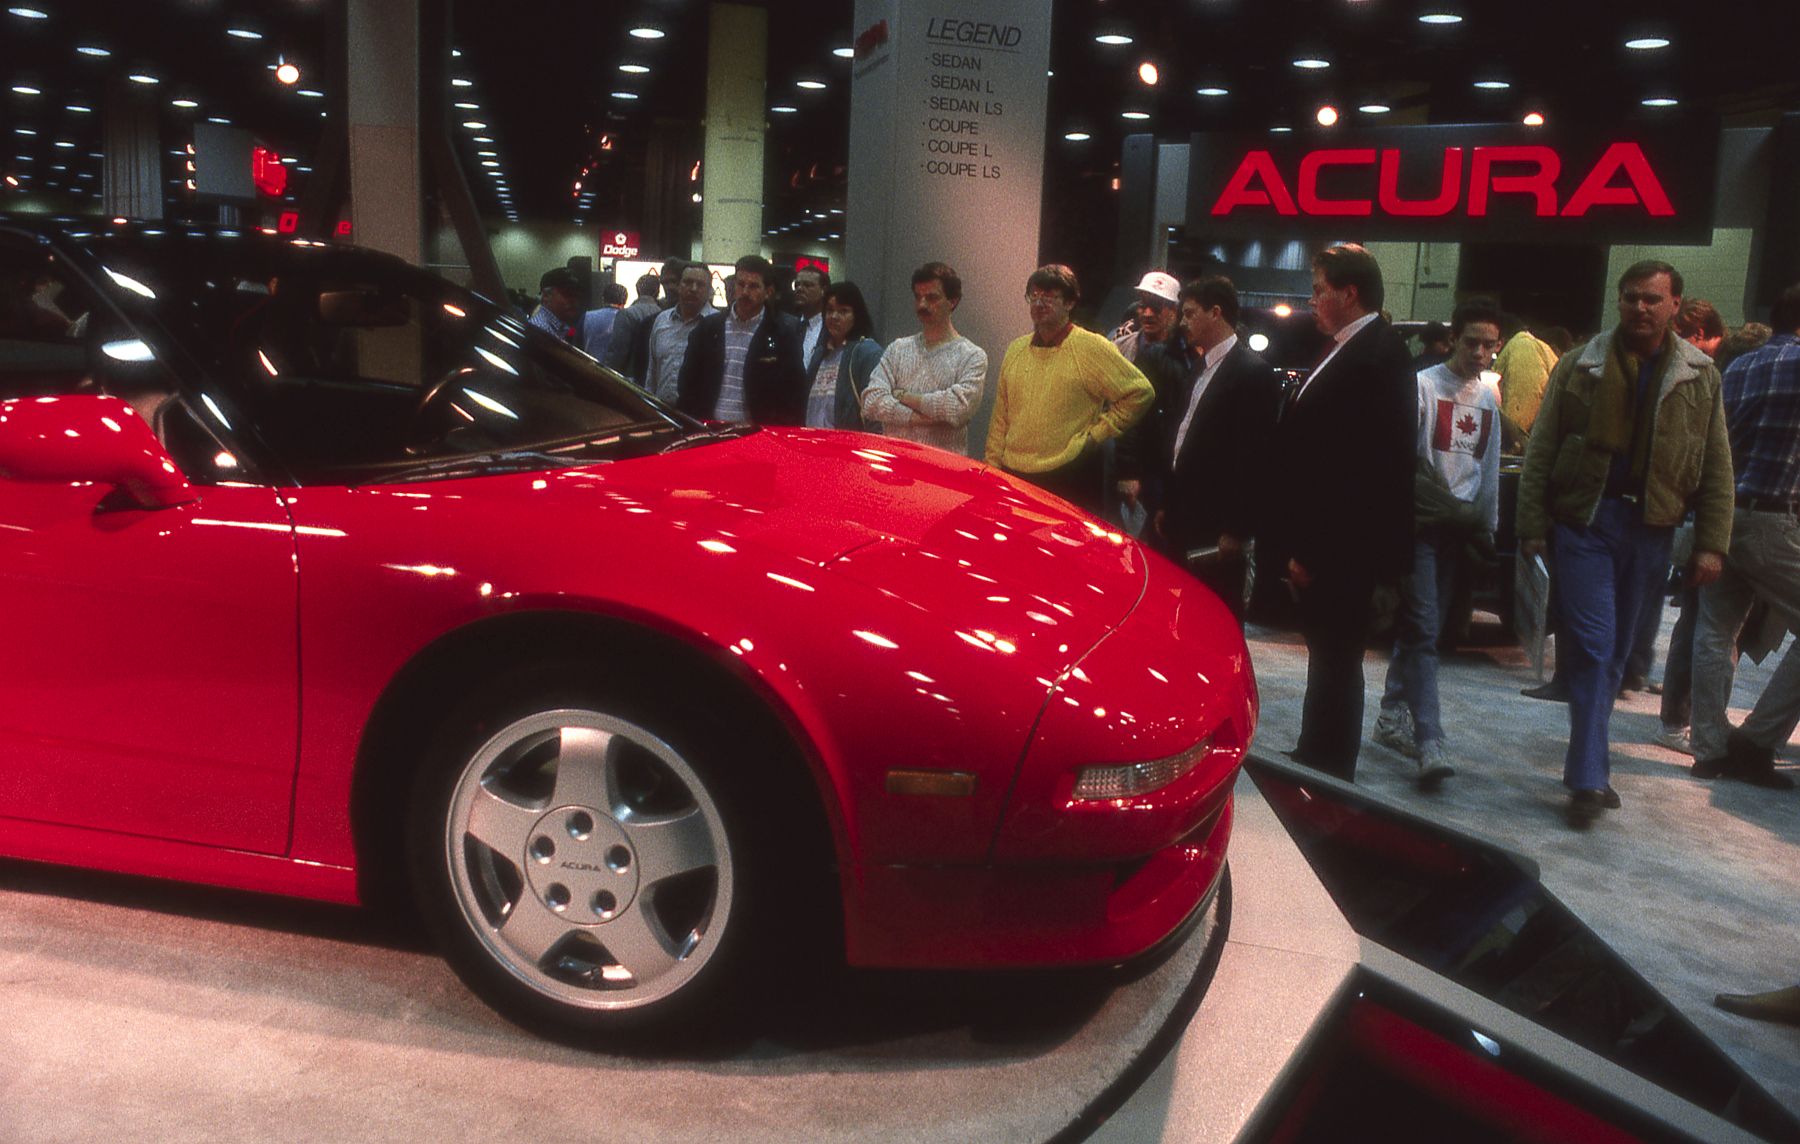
<point>419,428</point>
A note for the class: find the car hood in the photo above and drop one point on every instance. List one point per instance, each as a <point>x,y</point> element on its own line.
<point>993,559</point>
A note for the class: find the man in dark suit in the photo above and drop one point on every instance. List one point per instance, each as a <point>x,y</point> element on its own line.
<point>1340,495</point>
<point>1218,436</point>
<point>743,363</point>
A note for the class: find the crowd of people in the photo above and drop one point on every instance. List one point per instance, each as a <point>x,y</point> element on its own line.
<point>1375,466</point>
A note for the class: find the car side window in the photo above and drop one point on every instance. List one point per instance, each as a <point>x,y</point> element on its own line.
<point>44,314</point>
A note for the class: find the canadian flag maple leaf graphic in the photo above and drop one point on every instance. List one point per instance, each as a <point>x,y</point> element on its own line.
<point>1466,424</point>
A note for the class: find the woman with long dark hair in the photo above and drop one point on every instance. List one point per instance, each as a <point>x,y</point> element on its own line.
<point>845,357</point>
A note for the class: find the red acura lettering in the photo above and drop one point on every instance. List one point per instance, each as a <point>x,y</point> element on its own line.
<point>1311,203</point>
<point>1622,177</point>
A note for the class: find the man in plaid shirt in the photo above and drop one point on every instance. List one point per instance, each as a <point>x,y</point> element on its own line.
<point>1762,407</point>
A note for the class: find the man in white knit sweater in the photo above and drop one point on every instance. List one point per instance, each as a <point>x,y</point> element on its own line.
<point>1459,455</point>
<point>928,385</point>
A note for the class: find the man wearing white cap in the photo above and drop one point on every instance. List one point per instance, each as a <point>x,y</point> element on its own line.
<point>1158,349</point>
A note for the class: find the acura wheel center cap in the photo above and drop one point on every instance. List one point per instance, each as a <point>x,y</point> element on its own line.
<point>579,864</point>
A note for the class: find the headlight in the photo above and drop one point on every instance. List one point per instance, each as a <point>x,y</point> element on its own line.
<point>1133,779</point>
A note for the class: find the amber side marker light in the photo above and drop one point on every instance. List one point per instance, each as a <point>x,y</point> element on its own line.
<point>944,784</point>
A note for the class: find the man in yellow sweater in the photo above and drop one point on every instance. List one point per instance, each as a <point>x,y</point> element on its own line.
<point>1063,391</point>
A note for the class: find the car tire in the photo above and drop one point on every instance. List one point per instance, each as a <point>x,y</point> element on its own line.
<point>588,866</point>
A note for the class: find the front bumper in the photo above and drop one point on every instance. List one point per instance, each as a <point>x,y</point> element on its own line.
<point>952,917</point>
<point>1073,881</point>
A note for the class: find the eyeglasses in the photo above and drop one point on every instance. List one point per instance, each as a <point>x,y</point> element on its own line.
<point>1041,299</point>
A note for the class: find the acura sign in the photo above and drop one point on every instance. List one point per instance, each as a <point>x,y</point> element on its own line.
<point>1448,183</point>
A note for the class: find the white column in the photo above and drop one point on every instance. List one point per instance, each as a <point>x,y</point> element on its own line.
<point>732,167</point>
<point>386,197</point>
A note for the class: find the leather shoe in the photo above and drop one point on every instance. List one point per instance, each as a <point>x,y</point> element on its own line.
<point>1585,806</point>
<point>1776,1005</point>
<point>1630,684</point>
<point>1609,798</point>
<point>1753,764</point>
<point>1554,690</point>
<point>1710,768</point>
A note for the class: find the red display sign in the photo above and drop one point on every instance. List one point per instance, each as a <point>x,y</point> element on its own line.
<point>267,171</point>
<point>620,244</point>
<point>806,262</point>
<point>1441,183</point>
<point>1533,171</point>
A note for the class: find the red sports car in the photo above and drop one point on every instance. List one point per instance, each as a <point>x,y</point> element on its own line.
<point>325,577</point>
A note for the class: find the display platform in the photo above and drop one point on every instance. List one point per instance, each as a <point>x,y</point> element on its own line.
<point>142,1010</point>
<point>1476,1006</point>
<point>137,1010</point>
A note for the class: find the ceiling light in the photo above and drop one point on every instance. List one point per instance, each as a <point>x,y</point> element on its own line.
<point>1211,92</point>
<point>1327,116</point>
<point>1374,109</point>
<point>184,104</point>
<point>1533,119</point>
<point>1492,84</point>
<point>217,119</point>
<point>26,89</point>
<point>809,84</point>
<point>1077,137</point>
<point>844,53</point>
<point>1646,43</point>
<point>1148,73</point>
<point>79,109</point>
<point>1134,115</point>
<point>1112,40</point>
<point>287,73</point>
<point>1280,130</point>
<point>91,50</point>
<point>461,82</point>
<point>634,69</point>
<point>490,162</point>
<point>311,93</point>
<point>474,124</point>
<point>243,33</point>
<point>784,110</point>
<point>23,131</point>
<point>1660,101</point>
<point>487,154</point>
<point>480,139</point>
<point>65,144</point>
<point>1440,18</point>
<point>29,13</point>
<point>1311,63</point>
<point>468,106</point>
<point>648,33</point>
<point>624,95</point>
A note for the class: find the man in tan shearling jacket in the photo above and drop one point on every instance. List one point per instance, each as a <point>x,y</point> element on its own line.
<point>1631,434</point>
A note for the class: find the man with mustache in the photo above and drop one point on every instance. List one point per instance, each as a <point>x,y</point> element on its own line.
<point>928,385</point>
<point>1631,433</point>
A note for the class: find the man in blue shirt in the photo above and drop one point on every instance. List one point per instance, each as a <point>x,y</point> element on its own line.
<point>1762,408</point>
<point>596,326</point>
<point>559,304</point>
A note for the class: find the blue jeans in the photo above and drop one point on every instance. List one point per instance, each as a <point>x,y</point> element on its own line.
<point>1412,677</point>
<point>1607,571</point>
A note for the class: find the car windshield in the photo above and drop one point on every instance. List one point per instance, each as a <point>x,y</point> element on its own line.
<point>351,367</point>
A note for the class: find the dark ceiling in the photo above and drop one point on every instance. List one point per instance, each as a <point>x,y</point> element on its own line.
<point>546,80</point>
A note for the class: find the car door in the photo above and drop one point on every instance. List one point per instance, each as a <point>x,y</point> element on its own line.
<point>149,681</point>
